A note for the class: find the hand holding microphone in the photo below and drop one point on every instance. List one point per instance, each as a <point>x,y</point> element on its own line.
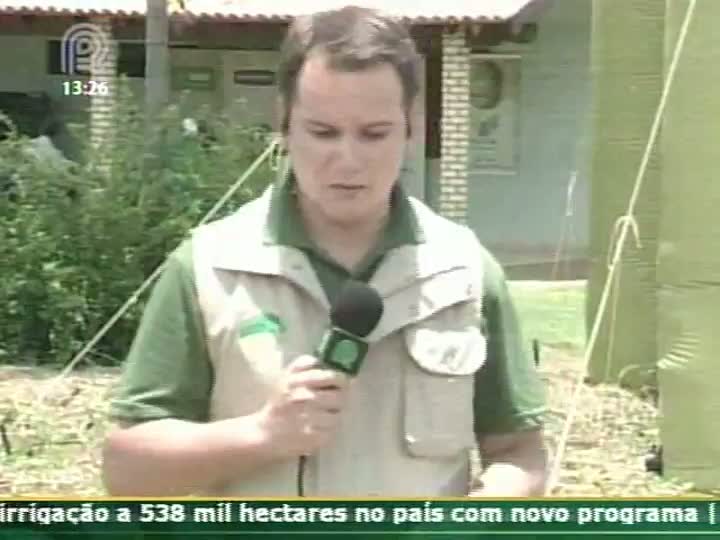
<point>302,414</point>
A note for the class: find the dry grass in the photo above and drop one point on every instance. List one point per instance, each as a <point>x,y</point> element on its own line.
<point>610,436</point>
<point>54,442</point>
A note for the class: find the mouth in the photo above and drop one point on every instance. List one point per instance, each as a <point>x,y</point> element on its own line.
<point>348,188</point>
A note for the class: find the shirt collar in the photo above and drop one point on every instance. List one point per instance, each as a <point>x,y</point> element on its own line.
<point>285,226</point>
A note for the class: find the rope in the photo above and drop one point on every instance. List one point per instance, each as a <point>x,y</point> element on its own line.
<point>616,283</point>
<point>625,222</point>
<point>609,357</point>
<point>139,291</point>
<point>569,213</point>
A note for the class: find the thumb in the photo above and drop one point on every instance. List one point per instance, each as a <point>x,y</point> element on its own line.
<point>303,363</point>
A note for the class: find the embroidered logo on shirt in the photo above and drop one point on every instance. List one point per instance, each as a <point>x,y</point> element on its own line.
<point>265,323</point>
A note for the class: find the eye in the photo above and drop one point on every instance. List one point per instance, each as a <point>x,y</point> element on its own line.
<point>323,133</point>
<point>375,135</point>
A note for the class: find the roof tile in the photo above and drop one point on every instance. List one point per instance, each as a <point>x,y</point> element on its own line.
<point>416,11</point>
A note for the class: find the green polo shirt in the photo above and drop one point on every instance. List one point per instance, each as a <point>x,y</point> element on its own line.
<point>285,227</point>
<point>168,372</point>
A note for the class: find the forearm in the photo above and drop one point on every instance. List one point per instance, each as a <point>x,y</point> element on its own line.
<point>508,479</point>
<point>172,457</point>
<point>514,465</point>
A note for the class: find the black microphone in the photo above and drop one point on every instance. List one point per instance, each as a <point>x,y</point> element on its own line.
<point>354,314</point>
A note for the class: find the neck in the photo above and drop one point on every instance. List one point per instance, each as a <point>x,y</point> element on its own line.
<point>343,238</point>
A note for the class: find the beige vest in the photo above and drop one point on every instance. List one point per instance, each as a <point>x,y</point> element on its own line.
<point>408,425</point>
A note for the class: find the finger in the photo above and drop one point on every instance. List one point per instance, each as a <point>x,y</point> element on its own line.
<point>319,378</point>
<point>318,399</point>
<point>303,363</point>
<point>320,421</point>
<point>328,400</point>
<point>301,394</point>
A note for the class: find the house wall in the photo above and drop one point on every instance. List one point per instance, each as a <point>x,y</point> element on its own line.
<point>521,216</point>
<point>223,47</point>
<point>23,69</point>
<point>21,60</point>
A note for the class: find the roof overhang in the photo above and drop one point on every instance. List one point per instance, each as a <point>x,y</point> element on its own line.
<point>282,11</point>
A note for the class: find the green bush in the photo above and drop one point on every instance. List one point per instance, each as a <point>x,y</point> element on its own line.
<point>76,241</point>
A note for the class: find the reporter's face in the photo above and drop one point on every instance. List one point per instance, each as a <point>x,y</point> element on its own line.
<point>346,138</point>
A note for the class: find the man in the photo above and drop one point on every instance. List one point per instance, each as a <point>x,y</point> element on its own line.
<point>221,395</point>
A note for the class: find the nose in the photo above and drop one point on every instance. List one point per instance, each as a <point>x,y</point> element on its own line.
<point>350,153</point>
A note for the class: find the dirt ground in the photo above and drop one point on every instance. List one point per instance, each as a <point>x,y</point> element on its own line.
<point>53,429</point>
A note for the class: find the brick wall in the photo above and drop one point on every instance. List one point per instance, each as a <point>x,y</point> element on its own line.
<point>102,104</point>
<point>455,129</point>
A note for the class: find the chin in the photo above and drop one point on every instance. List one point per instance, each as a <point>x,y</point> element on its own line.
<point>347,215</point>
<point>347,219</point>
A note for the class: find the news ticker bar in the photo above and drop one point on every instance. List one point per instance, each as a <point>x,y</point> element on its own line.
<point>182,518</point>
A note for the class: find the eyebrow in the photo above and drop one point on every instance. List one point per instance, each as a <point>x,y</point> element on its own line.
<point>379,123</point>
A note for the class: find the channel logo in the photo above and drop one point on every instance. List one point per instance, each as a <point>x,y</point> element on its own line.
<point>83,47</point>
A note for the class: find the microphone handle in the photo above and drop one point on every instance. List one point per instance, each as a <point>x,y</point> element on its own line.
<point>301,476</point>
<point>343,351</point>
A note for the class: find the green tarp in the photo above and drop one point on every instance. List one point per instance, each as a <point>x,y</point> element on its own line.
<point>627,64</point>
<point>668,317</point>
<point>688,376</point>
<point>689,253</point>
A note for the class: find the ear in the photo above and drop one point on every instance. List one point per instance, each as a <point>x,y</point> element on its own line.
<point>416,121</point>
<point>279,114</point>
<point>278,131</point>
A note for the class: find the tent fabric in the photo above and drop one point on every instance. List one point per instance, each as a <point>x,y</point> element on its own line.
<point>689,254</point>
<point>688,376</point>
<point>690,228</point>
<point>669,304</point>
<point>627,64</point>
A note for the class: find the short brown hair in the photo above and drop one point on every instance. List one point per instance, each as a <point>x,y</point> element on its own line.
<point>353,38</point>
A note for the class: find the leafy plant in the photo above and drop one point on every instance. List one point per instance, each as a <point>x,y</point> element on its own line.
<point>77,239</point>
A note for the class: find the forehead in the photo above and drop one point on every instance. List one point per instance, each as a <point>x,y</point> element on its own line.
<point>331,93</point>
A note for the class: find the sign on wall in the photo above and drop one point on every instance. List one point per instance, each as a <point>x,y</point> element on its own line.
<point>254,77</point>
<point>193,78</point>
<point>494,94</point>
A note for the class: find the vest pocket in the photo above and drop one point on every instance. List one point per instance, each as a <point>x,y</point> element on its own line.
<point>439,386</point>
